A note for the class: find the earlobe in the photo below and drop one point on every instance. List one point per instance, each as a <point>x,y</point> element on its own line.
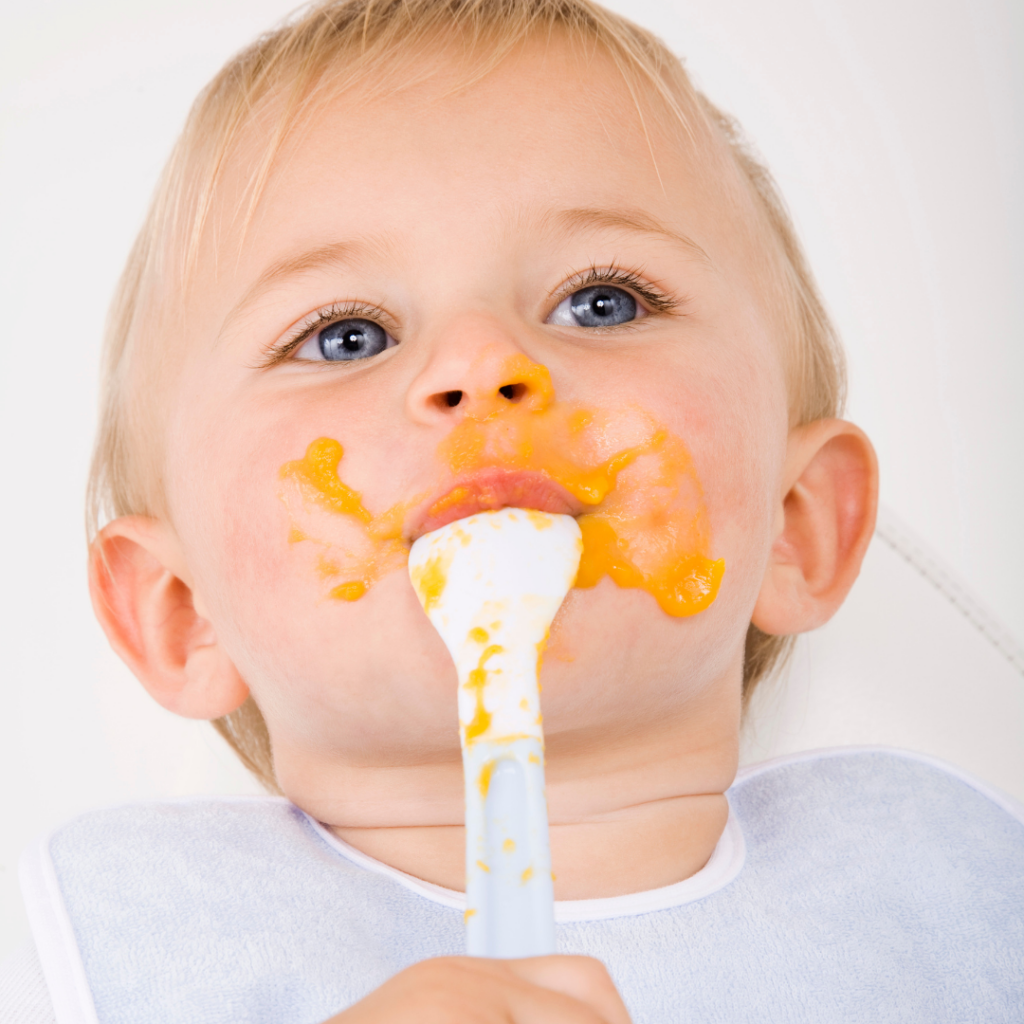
<point>148,611</point>
<point>825,523</point>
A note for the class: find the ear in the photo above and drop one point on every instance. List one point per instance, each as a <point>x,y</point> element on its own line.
<point>824,522</point>
<point>137,579</point>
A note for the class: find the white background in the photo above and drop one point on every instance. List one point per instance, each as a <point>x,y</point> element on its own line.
<point>893,127</point>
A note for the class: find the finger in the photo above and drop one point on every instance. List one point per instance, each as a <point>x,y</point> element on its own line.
<point>581,978</point>
<point>464,990</point>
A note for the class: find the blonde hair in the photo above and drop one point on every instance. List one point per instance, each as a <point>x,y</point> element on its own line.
<point>301,64</point>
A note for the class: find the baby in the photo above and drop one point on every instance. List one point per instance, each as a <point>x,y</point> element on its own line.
<point>414,260</point>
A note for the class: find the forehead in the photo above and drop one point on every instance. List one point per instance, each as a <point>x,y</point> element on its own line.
<point>552,141</point>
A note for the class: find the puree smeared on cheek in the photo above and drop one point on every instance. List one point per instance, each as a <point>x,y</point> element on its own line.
<point>644,523</point>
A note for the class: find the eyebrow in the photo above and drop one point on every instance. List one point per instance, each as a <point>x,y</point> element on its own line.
<point>324,257</point>
<point>335,254</point>
<point>584,218</point>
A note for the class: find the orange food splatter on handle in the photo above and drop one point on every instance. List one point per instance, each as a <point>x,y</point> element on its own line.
<point>542,646</point>
<point>477,682</point>
<point>484,781</point>
<point>430,581</point>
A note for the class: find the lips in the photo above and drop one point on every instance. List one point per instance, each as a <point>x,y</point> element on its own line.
<point>490,490</point>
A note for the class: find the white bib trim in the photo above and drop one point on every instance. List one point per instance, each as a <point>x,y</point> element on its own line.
<point>724,865</point>
<point>55,938</point>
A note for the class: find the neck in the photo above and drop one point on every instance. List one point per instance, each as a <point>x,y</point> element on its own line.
<point>630,813</point>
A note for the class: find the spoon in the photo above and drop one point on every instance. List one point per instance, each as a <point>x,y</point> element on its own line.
<point>491,585</point>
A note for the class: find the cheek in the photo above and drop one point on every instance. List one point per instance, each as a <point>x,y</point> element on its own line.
<point>227,508</point>
<point>236,531</point>
<point>734,418</point>
<point>744,448</point>
<point>324,670</point>
<point>232,504</point>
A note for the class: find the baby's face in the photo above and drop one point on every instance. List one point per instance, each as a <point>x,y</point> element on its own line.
<point>409,257</point>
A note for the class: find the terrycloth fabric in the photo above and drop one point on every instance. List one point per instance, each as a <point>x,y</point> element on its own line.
<point>24,998</point>
<point>877,887</point>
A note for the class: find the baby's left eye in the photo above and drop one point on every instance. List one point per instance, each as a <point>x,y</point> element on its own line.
<point>600,305</point>
<point>346,340</point>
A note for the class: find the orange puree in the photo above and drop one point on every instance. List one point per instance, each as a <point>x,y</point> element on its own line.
<point>648,528</point>
<point>316,475</point>
<point>319,472</point>
<point>478,681</point>
<point>430,581</point>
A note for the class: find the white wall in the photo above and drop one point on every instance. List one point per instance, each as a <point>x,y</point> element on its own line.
<point>893,127</point>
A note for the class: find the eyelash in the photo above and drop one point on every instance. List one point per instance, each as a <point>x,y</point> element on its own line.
<point>631,280</point>
<point>321,318</point>
<point>656,301</point>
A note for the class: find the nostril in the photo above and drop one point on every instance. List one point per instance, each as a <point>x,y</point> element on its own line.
<point>513,392</point>
<point>452,398</point>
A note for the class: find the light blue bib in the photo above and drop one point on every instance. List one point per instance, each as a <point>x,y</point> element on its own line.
<point>856,885</point>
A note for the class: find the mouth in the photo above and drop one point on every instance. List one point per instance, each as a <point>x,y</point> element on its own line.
<point>490,490</point>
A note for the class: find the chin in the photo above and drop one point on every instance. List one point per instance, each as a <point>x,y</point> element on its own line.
<point>614,656</point>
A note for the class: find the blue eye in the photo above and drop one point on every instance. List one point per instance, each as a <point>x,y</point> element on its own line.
<point>600,305</point>
<point>352,339</point>
<point>346,340</point>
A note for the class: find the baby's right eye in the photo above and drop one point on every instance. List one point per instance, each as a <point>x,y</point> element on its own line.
<point>344,341</point>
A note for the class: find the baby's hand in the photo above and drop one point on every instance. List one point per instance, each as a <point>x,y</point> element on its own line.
<point>472,990</point>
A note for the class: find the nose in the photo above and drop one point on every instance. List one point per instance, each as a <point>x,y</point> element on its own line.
<point>477,380</point>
